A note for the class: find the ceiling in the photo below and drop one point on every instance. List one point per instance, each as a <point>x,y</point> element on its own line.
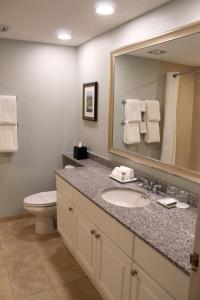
<point>40,20</point>
<point>181,51</point>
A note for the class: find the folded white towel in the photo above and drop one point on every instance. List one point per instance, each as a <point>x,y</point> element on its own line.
<point>143,106</point>
<point>129,173</point>
<point>143,127</point>
<point>131,133</point>
<point>8,110</point>
<point>153,133</point>
<point>117,173</point>
<point>8,138</point>
<point>152,111</point>
<point>132,110</point>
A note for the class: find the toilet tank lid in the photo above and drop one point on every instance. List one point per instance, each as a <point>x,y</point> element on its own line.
<point>43,198</point>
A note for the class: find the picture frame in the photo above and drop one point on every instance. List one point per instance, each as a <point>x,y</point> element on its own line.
<point>90,95</point>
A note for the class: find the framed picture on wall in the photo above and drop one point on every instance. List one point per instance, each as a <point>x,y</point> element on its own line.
<point>90,94</point>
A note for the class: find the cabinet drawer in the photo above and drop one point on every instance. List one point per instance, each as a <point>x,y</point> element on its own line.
<point>64,188</point>
<point>165,273</point>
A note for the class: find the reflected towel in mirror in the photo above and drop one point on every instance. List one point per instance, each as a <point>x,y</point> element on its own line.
<point>152,111</point>
<point>131,133</point>
<point>153,133</point>
<point>132,110</point>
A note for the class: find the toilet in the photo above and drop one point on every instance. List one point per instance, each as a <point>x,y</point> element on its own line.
<point>43,206</point>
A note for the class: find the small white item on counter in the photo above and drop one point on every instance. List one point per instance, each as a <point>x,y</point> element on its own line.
<point>79,144</point>
<point>168,202</point>
<point>69,167</point>
<point>123,174</point>
<point>182,205</point>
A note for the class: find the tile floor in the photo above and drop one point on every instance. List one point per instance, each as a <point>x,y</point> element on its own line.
<point>34,267</point>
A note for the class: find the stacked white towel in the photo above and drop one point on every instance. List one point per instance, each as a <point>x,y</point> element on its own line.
<point>8,124</point>
<point>152,111</point>
<point>132,119</point>
<point>132,110</point>
<point>152,117</point>
<point>143,106</point>
<point>153,133</point>
<point>131,133</point>
<point>123,173</point>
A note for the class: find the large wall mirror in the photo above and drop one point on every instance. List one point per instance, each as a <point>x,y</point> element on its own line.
<point>155,102</point>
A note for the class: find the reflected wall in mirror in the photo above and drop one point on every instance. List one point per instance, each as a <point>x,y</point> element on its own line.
<point>164,77</point>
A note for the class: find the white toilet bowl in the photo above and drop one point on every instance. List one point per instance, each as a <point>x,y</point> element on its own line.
<point>43,206</point>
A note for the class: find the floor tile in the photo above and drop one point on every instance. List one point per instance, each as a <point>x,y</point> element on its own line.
<point>47,295</point>
<point>16,226</point>
<point>6,289</point>
<point>13,246</point>
<point>3,267</point>
<point>58,251</point>
<point>81,289</point>
<point>48,242</point>
<point>22,262</point>
<point>30,282</point>
<point>61,275</point>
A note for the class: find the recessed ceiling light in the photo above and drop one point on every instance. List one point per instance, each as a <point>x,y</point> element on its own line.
<point>64,36</point>
<point>105,8</point>
<point>157,52</point>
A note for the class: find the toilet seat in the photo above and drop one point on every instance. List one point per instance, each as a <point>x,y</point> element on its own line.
<point>44,199</point>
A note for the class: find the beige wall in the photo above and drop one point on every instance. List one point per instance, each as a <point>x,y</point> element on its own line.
<point>44,79</point>
<point>93,65</point>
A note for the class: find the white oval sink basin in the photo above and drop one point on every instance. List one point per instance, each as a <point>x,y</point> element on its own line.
<point>125,198</point>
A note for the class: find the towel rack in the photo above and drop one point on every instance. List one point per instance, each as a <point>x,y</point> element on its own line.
<point>124,101</point>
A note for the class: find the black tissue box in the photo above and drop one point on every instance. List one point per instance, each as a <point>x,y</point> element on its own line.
<point>80,152</point>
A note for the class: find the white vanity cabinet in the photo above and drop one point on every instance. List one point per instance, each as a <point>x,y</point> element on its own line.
<point>85,244</point>
<point>120,265</point>
<point>66,220</point>
<point>113,269</point>
<point>143,287</point>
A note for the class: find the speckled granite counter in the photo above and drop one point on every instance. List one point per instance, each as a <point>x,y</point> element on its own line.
<point>169,231</point>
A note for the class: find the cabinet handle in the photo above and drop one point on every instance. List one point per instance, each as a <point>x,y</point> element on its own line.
<point>97,236</point>
<point>92,231</point>
<point>134,272</point>
<point>70,209</point>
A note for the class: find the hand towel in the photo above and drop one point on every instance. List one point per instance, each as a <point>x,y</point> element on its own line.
<point>153,133</point>
<point>143,127</point>
<point>152,111</point>
<point>129,173</point>
<point>8,138</point>
<point>132,110</point>
<point>117,173</point>
<point>131,133</point>
<point>143,106</point>
<point>8,110</point>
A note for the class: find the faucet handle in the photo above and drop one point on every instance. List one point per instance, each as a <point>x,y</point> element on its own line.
<point>155,187</point>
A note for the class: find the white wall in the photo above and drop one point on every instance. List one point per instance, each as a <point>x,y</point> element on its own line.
<point>44,79</point>
<point>93,65</point>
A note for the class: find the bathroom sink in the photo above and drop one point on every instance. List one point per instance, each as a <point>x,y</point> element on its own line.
<point>125,197</point>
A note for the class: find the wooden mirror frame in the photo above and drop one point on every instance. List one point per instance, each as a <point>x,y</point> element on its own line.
<point>181,32</point>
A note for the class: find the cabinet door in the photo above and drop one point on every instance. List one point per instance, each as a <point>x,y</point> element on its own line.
<point>113,270</point>
<point>65,220</point>
<point>145,288</point>
<point>85,244</point>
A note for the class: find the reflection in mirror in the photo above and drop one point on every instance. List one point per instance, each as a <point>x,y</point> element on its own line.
<point>157,102</point>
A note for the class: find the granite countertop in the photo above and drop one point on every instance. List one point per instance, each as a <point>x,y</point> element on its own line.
<point>169,231</point>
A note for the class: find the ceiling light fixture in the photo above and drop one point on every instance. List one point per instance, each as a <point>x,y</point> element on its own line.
<point>64,36</point>
<point>157,52</point>
<point>105,8</point>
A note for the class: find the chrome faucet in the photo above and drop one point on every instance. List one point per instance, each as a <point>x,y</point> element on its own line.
<point>144,182</point>
<point>155,187</point>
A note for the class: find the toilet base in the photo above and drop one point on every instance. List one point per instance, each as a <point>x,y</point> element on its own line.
<point>44,224</point>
